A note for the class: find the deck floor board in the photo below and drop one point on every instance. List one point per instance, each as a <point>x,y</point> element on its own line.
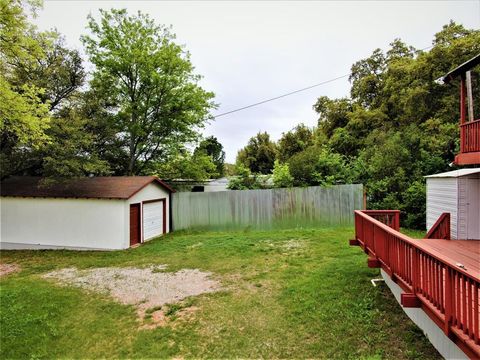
<point>465,252</point>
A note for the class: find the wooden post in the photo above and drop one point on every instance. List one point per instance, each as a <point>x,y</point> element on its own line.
<point>462,99</point>
<point>468,83</point>
<point>364,198</point>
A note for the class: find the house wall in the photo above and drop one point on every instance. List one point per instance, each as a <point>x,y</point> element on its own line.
<point>36,223</point>
<point>442,196</point>
<point>152,191</point>
<point>469,207</point>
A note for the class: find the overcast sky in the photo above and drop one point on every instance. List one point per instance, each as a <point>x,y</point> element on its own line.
<point>250,51</point>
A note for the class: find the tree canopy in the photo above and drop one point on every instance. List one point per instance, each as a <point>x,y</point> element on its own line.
<point>149,82</point>
<point>141,109</point>
<point>397,125</point>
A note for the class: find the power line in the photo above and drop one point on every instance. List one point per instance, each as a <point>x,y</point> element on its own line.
<point>281,96</point>
<point>291,93</point>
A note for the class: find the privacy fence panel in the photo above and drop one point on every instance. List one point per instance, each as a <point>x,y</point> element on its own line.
<point>267,209</point>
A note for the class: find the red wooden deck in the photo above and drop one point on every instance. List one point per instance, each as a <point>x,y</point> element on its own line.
<point>465,252</point>
<point>440,276</point>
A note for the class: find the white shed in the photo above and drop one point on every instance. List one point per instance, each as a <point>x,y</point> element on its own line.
<point>458,193</point>
<point>103,213</point>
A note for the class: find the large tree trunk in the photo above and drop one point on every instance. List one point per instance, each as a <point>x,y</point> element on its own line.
<point>131,157</point>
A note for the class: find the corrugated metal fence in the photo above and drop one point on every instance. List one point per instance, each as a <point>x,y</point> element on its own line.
<point>267,209</point>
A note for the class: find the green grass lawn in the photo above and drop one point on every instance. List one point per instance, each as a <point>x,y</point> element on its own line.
<point>311,300</point>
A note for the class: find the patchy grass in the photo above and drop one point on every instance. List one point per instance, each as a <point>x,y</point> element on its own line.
<point>287,294</point>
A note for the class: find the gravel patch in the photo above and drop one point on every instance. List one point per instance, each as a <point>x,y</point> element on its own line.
<point>145,288</point>
<point>293,244</point>
<point>6,269</point>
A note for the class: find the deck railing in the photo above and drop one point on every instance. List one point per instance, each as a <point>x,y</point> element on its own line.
<point>445,291</point>
<point>470,136</point>
<point>441,228</point>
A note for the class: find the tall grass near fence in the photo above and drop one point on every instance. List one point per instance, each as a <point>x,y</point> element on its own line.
<point>267,209</point>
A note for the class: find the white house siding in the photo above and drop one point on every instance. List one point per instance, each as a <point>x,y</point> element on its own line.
<point>442,196</point>
<point>468,207</point>
<point>62,223</point>
<point>462,208</point>
<point>152,191</point>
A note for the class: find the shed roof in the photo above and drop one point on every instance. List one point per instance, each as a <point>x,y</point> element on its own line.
<point>112,187</point>
<point>455,173</point>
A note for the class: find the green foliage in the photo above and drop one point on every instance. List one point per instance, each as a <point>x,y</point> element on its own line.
<point>399,125</point>
<point>245,180</point>
<point>198,167</point>
<point>211,147</point>
<point>319,166</point>
<point>331,168</point>
<point>259,154</point>
<point>294,141</point>
<point>149,79</point>
<point>23,116</point>
<point>43,129</point>
<point>71,152</point>
<point>281,175</point>
<point>229,169</point>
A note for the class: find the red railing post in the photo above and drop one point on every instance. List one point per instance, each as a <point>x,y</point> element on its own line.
<point>448,302</point>
<point>397,221</point>
<point>449,294</point>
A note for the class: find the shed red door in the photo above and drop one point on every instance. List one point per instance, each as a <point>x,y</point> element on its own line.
<point>134,224</point>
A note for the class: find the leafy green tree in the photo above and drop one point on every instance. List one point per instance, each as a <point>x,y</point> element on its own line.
<point>259,154</point>
<point>332,113</point>
<point>198,166</point>
<point>294,141</point>
<point>149,79</point>
<point>302,166</point>
<point>57,69</point>
<point>243,180</point>
<point>24,118</point>
<point>211,147</point>
<point>71,153</point>
<point>43,132</point>
<point>332,168</point>
<point>281,175</point>
<point>399,124</point>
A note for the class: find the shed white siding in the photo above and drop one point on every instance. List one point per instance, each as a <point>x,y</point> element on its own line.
<point>458,193</point>
<point>442,196</point>
<point>32,223</point>
<point>74,223</point>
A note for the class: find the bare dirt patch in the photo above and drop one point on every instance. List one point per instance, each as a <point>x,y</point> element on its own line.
<point>148,289</point>
<point>293,244</point>
<point>6,269</point>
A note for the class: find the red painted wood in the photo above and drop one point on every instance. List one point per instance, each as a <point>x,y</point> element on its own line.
<point>441,228</point>
<point>470,136</point>
<point>472,158</point>
<point>353,242</point>
<point>443,275</point>
<point>134,224</point>
<point>410,300</point>
<point>373,262</point>
<point>469,133</point>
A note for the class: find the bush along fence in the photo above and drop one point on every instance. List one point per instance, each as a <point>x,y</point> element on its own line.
<point>267,209</point>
